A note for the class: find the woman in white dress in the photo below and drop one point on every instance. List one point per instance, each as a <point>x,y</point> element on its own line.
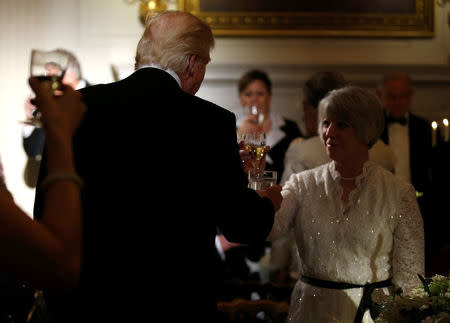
<point>357,227</point>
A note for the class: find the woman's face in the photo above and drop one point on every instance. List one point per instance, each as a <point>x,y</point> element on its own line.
<point>340,140</point>
<point>256,93</point>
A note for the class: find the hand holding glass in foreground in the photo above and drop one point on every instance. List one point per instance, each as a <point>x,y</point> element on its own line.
<point>274,194</point>
<point>52,245</point>
<point>61,111</point>
<point>253,151</point>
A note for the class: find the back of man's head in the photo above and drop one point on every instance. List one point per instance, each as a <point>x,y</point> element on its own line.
<point>171,38</point>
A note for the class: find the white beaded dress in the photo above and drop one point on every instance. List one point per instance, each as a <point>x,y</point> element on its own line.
<point>377,235</point>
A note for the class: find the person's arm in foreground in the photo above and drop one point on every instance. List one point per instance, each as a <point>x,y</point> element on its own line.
<point>47,253</point>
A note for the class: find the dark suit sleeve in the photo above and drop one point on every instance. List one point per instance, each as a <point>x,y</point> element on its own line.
<point>34,144</point>
<point>242,215</point>
<point>39,195</point>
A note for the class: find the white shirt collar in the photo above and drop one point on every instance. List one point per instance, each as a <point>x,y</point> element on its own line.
<point>171,72</point>
<point>81,84</point>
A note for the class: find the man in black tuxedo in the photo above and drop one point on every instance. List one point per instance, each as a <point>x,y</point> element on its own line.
<point>162,182</point>
<point>409,137</point>
<point>34,138</point>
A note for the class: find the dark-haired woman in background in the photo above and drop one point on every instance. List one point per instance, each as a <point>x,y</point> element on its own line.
<point>255,89</point>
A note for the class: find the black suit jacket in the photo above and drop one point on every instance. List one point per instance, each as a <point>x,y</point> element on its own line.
<point>162,182</point>
<point>278,151</point>
<point>437,227</point>
<point>420,156</point>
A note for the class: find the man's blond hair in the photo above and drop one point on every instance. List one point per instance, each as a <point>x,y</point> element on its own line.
<point>171,38</point>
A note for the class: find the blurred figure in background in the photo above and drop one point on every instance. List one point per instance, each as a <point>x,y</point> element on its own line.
<point>240,263</point>
<point>255,90</point>
<point>409,138</point>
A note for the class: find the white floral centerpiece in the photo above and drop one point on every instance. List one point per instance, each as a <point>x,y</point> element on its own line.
<point>429,303</point>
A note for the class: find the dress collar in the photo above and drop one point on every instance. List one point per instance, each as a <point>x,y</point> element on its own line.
<point>367,168</point>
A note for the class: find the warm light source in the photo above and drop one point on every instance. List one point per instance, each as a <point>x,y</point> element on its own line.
<point>149,8</point>
<point>446,130</point>
<point>434,126</point>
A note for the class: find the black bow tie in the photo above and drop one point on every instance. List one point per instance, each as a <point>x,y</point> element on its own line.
<point>402,120</point>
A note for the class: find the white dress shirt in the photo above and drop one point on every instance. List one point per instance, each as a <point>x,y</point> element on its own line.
<point>399,143</point>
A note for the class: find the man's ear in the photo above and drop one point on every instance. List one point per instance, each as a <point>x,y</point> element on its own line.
<point>191,67</point>
<point>189,71</point>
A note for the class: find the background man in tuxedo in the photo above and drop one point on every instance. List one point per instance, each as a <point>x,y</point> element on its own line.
<point>34,138</point>
<point>409,137</point>
<point>141,207</point>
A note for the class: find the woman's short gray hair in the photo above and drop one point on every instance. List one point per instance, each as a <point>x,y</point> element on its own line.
<point>171,38</point>
<point>359,108</point>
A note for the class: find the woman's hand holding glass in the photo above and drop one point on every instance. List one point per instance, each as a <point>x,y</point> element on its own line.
<point>60,113</point>
<point>49,68</point>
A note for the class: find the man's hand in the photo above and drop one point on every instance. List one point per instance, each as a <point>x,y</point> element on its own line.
<point>249,160</point>
<point>274,194</point>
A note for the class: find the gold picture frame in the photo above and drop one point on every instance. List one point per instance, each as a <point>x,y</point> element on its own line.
<point>415,19</point>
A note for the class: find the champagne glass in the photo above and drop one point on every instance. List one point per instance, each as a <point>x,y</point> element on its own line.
<point>255,143</point>
<point>255,111</point>
<point>48,67</point>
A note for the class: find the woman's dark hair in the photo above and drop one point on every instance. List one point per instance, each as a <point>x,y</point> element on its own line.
<point>253,75</point>
<point>318,86</point>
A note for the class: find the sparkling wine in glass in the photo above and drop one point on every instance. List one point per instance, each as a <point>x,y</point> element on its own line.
<point>255,143</point>
<point>48,67</point>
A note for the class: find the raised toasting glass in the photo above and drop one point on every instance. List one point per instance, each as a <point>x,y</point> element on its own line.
<point>49,67</point>
<point>254,110</point>
<point>255,143</point>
